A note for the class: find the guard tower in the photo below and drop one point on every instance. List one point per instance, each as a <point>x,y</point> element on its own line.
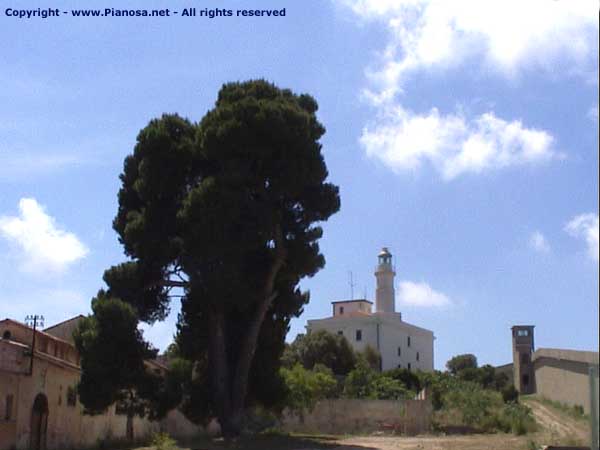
<point>523,348</point>
<point>384,273</point>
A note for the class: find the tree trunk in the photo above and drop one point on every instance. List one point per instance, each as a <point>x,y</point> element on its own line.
<point>231,386</point>
<point>129,428</point>
<point>250,340</point>
<point>130,415</point>
<point>219,369</point>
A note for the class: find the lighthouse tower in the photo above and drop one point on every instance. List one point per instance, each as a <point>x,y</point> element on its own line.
<point>384,273</point>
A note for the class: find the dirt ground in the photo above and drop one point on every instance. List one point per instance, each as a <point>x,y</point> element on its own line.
<point>555,428</point>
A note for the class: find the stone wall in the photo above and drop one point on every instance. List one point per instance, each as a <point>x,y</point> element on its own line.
<point>563,381</point>
<point>356,415</point>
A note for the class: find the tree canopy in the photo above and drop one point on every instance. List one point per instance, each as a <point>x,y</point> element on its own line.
<point>461,362</point>
<point>321,347</point>
<point>225,213</point>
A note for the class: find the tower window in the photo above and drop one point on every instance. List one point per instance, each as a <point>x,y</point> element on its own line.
<point>408,341</point>
<point>523,333</point>
<point>359,335</point>
<point>399,351</point>
<point>341,310</point>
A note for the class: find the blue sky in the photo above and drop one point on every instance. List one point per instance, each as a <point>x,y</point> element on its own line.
<point>463,136</point>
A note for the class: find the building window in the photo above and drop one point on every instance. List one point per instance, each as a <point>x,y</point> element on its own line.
<point>6,335</point>
<point>71,396</point>
<point>399,351</point>
<point>408,341</point>
<point>9,407</point>
<point>359,335</point>
<point>525,380</point>
<point>340,332</point>
<point>341,310</point>
<point>408,366</point>
<point>523,333</point>
<point>399,366</point>
<point>524,358</point>
<point>417,356</point>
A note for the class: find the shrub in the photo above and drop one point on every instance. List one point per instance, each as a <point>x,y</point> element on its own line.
<point>517,419</point>
<point>307,387</point>
<point>510,394</point>
<point>476,405</point>
<point>162,441</point>
<point>410,380</point>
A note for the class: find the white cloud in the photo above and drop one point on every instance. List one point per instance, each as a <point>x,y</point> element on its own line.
<point>453,144</point>
<point>585,226</point>
<point>42,245</point>
<point>539,243</point>
<point>507,36</point>
<point>420,294</point>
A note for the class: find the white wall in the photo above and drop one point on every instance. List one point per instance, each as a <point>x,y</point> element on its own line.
<point>393,333</point>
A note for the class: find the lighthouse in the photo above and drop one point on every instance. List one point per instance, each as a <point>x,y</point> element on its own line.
<point>384,273</point>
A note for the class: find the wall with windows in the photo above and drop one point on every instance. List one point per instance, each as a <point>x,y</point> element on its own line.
<point>400,344</point>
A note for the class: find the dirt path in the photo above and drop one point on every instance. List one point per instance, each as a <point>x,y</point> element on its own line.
<point>476,442</point>
<point>557,423</point>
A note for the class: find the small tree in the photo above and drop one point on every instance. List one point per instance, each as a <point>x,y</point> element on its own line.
<point>461,362</point>
<point>321,347</point>
<point>307,387</point>
<point>372,358</point>
<point>113,350</point>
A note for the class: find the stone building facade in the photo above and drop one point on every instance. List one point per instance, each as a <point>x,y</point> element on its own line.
<point>556,374</point>
<point>399,343</point>
<point>39,407</point>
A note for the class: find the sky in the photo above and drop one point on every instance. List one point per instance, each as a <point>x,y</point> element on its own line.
<point>463,136</point>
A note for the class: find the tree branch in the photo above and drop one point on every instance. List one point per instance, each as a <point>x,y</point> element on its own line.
<point>248,345</point>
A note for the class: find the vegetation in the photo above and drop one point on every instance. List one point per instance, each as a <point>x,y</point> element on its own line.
<point>224,214</point>
<point>320,347</point>
<point>112,350</point>
<point>162,441</point>
<point>307,387</point>
<point>576,411</point>
<point>461,362</point>
<point>365,382</point>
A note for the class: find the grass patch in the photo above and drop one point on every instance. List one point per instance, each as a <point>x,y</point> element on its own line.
<point>575,412</point>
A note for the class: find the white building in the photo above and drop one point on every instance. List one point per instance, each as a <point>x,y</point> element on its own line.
<point>399,343</point>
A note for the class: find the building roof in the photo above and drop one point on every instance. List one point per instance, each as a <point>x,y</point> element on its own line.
<point>568,355</point>
<point>364,300</point>
<point>77,317</point>
<point>39,332</point>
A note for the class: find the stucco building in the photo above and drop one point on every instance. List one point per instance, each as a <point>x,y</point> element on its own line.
<point>39,407</point>
<point>399,343</point>
<point>557,374</point>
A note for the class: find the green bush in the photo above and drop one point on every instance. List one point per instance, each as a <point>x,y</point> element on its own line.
<point>364,382</point>
<point>510,394</point>
<point>476,405</point>
<point>307,387</point>
<point>517,419</point>
<point>162,441</point>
